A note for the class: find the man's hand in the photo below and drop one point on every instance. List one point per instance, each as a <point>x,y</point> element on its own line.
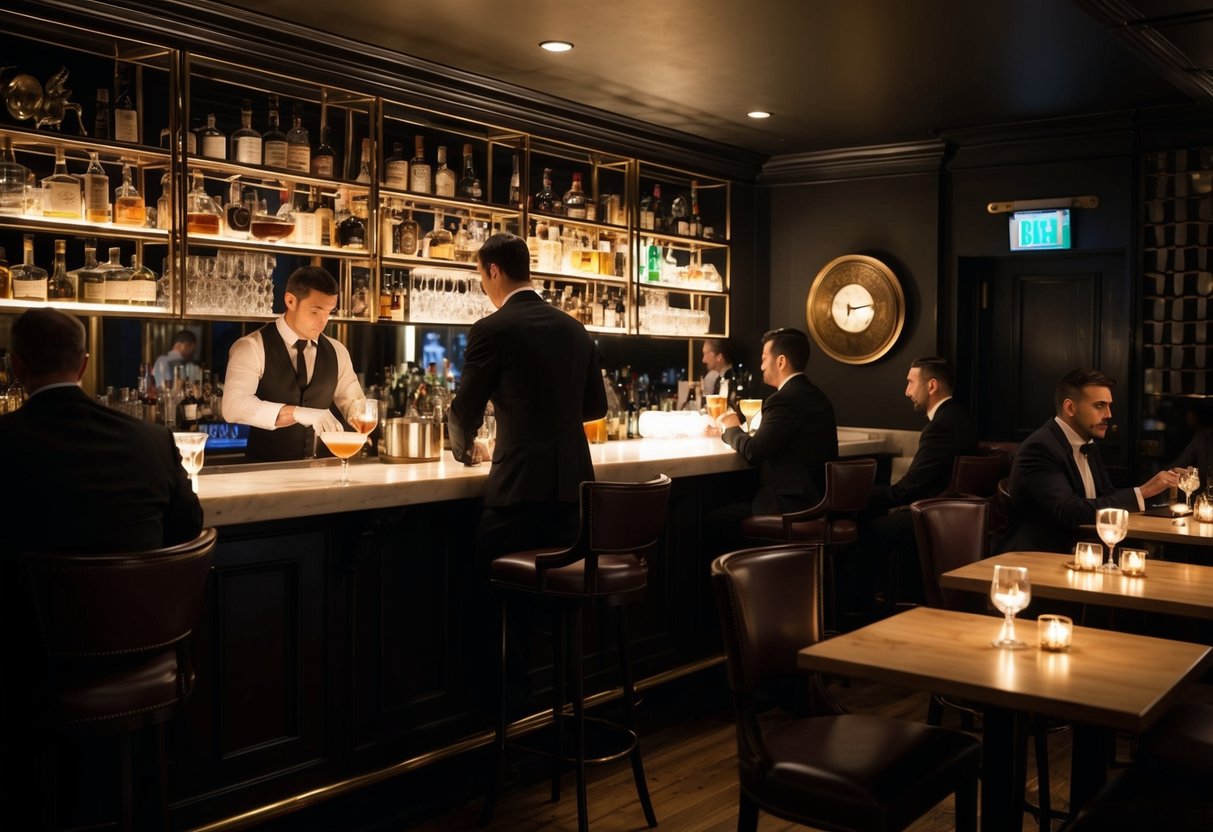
<point>317,419</point>
<point>1160,482</point>
<point>729,419</point>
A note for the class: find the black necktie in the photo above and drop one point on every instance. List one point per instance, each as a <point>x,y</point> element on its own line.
<point>1086,449</point>
<point>301,364</point>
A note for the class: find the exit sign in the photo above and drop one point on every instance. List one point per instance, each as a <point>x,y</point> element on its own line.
<point>1037,230</point>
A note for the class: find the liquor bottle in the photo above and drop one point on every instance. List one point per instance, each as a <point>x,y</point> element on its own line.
<point>546,199</point>
<point>652,212</point>
<point>32,201</point>
<point>12,181</point>
<point>126,117</point>
<point>101,119</point>
<point>187,407</point>
<point>680,216</point>
<point>298,143</point>
<point>6,276</point>
<point>696,224</point>
<point>410,234</point>
<point>444,177</point>
<point>96,191</point>
<point>385,297</point>
<point>351,232</point>
<point>90,282</point>
<point>307,230</point>
<point>61,191</point>
<point>214,143</point>
<point>129,208</point>
<point>237,214</point>
<point>326,227</point>
<point>246,142</point>
<point>28,280</point>
<point>364,164</point>
<point>396,310</point>
<point>420,172</point>
<point>389,226</point>
<point>164,205</point>
<point>441,243</point>
<point>58,286</point>
<point>142,285</point>
<point>201,213</point>
<point>324,160</point>
<point>117,278</point>
<point>574,199</point>
<point>396,168</point>
<point>515,184</point>
<point>653,262</point>
<point>273,141</point>
<point>469,184</point>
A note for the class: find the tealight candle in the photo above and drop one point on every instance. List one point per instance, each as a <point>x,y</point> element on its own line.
<point>1087,556</point>
<point>1203,508</point>
<point>1056,632</point>
<point>1133,562</point>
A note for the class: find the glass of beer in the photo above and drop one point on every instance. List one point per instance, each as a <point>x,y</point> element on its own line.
<point>749,409</point>
<point>344,444</point>
<point>716,406</point>
<point>596,431</point>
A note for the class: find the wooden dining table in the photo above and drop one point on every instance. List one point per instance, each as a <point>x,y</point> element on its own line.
<point>1187,530</point>
<point>1167,587</point>
<point>1106,681</point>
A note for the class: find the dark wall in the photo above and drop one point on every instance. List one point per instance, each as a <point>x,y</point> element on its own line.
<point>894,219</point>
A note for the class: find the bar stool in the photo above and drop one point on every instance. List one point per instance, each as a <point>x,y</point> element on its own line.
<point>115,632</point>
<point>605,568</point>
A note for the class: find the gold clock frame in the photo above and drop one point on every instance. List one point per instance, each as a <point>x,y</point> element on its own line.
<point>889,312</point>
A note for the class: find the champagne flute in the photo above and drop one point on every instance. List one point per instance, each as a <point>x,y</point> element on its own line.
<point>1112,524</point>
<point>749,409</point>
<point>1010,591</point>
<point>1189,482</point>
<point>192,445</point>
<point>344,444</point>
<point>364,415</point>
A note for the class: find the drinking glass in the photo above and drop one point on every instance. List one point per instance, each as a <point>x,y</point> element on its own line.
<point>749,409</point>
<point>1189,482</point>
<point>192,445</point>
<point>364,415</point>
<point>344,444</point>
<point>1112,524</point>
<point>716,405</point>
<point>1010,591</point>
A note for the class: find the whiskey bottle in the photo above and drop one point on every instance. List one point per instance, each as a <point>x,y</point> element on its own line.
<point>90,282</point>
<point>129,208</point>
<point>101,119</point>
<point>187,407</point>
<point>364,165</point>
<point>441,243</point>
<point>546,200</point>
<point>143,283</point>
<point>246,142</point>
<point>298,143</point>
<point>58,286</point>
<point>96,191</point>
<point>469,184</point>
<point>652,213</point>
<point>326,227</point>
<point>515,184</point>
<point>444,177</point>
<point>61,191</point>
<point>324,160</point>
<point>410,234</point>
<point>574,199</point>
<point>214,143</point>
<point>396,168</point>
<point>351,232</point>
<point>273,141</point>
<point>420,172</point>
<point>28,280</point>
<point>201,212</point>
<point>126,117</point>
<point>117,278</point>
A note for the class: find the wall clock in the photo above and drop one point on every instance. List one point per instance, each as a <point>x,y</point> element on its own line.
<point>855,309</point>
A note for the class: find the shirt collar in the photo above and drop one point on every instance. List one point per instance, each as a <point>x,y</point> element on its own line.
<point>789,378</point>
<point>1075,440</point>
<point>53,386</point>
<point>931,413</point>
<point>506,299</point>
<point>289,336</point>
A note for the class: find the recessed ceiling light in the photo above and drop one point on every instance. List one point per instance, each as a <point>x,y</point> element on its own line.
<point>556,45</point>
<point>758,114</point>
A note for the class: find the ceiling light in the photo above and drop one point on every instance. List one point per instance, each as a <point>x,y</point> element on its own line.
<point>758,114</point>
<point>556,45</point>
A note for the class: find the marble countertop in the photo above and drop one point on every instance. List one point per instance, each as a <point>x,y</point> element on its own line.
<point>238,494</point>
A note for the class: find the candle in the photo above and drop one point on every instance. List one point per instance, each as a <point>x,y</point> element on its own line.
<point>1133,562</point>
<point>1056,632</point>
<point>1087,556</point>
<point>1204,510</point>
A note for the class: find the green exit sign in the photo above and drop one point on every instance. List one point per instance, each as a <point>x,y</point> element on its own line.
<point>1037,230</point>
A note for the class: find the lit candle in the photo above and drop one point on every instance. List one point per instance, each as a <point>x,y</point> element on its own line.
<point>1087,556</point>
<point>1056,632</point>
<point>1204,511</point>
<point>1133,562</point>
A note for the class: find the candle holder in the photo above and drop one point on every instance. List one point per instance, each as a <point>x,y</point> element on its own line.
<point>1087,556</point>
<point>1202,508</point>
<point>1056,633</point>
<point>1133,562</point>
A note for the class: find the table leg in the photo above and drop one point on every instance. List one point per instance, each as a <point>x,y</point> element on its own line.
<point>1003,770</point>
<point>1089,757</point>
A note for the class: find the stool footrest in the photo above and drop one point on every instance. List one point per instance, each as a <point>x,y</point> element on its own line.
<point>605,742</point>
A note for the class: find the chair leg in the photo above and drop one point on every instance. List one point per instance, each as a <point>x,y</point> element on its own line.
<point>831,601</point>
<point>747,814</point>
<point>935,710</point>
<point>126,771</point>
<point>1041,745</point>
<point>966,804</point>
<point>560,653</point>
<point>498,771</point>
<point>629,705</point>
<point>583,821</point>
<point>162,769</point>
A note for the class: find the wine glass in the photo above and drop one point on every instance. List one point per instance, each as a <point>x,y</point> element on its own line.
<point>364,415</point>
<point>343,444</point>
<point>1010,591</point>
<point>192,445</point>
<point>749,409</point>
<point>1189,482</point>
<point>1112,525</point>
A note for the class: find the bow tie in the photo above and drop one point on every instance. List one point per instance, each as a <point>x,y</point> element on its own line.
<point>1086,448</point>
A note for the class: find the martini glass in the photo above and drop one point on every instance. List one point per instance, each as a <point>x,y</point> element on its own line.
<point>191,444</point>
<point>344,444</point>
<point>749,409</point>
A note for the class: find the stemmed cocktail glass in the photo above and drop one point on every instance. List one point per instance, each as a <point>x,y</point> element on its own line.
<point>1010,591</point>
<point>1189,482</point>
<point>1112,524</point>
<point>344,444</point>
<point>192,445</point>
<point>749,409</point>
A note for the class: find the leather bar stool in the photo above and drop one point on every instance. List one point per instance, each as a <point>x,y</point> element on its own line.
<point>115,632</point>
<point>605,568</point>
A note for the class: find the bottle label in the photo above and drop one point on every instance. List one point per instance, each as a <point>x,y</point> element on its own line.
<point>29,289</point>
<point>299,157</point>
<point>322,166</point>
<point>214,147</point>
<point>275,154</point>
<point>191,142</point>
<point>61,199</point>
<point>117,291</point>
<point>189,412</point>
<point>398,174</point>
<point>575,211</point>
<point>94,292</point>
<point>306,229</point>
<point>444,183</point>
<point>97,196</point>
<point>248,150</point>
<point>143,291</point>
<point>419,179</point>
<point>126,126</point>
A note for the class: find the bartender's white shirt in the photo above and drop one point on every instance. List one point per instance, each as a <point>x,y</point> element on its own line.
<point>246,366</point>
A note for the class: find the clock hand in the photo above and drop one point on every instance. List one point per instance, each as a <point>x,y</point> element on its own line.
<point>851,309</point>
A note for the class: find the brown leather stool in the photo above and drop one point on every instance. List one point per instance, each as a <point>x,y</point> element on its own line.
<point>115,631</point>
<point>605,567</point>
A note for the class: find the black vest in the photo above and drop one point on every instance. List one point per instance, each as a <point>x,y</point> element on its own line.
<point>279,384</point>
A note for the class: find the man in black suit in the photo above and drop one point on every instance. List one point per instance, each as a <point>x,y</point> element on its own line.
<point>717,356</point>
<point>83,477</point>
<point>796,437</point>
<point>539,367</point>
<point>1058,480</point>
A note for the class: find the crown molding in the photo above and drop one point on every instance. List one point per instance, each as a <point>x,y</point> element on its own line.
<point>854,163</point>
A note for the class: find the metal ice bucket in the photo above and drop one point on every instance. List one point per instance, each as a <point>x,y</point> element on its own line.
<point>410,439</point>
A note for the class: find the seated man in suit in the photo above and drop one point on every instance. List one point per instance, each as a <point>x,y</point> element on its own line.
<point>795,439</point>
<point>887,524</point>
<point>1058,480</point>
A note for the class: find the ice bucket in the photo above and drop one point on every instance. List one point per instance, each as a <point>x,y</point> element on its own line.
<point>410,439</point>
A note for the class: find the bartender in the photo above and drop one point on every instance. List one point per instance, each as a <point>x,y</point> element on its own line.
<point>288,381</point>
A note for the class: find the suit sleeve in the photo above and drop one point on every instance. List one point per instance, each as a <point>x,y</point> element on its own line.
<point>183,516</point>
<point>929,472</point>
<point>481,369</point>
<point>1042,480</point>
<point>774,434</point>
<point>593,400</point>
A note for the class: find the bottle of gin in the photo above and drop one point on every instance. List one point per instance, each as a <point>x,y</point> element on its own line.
<point>246,142</point>
<point>58,286</point>
<point>298,143</point>
<point>444,177</point>
<point>29,281</point>
<point>61,191</point>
